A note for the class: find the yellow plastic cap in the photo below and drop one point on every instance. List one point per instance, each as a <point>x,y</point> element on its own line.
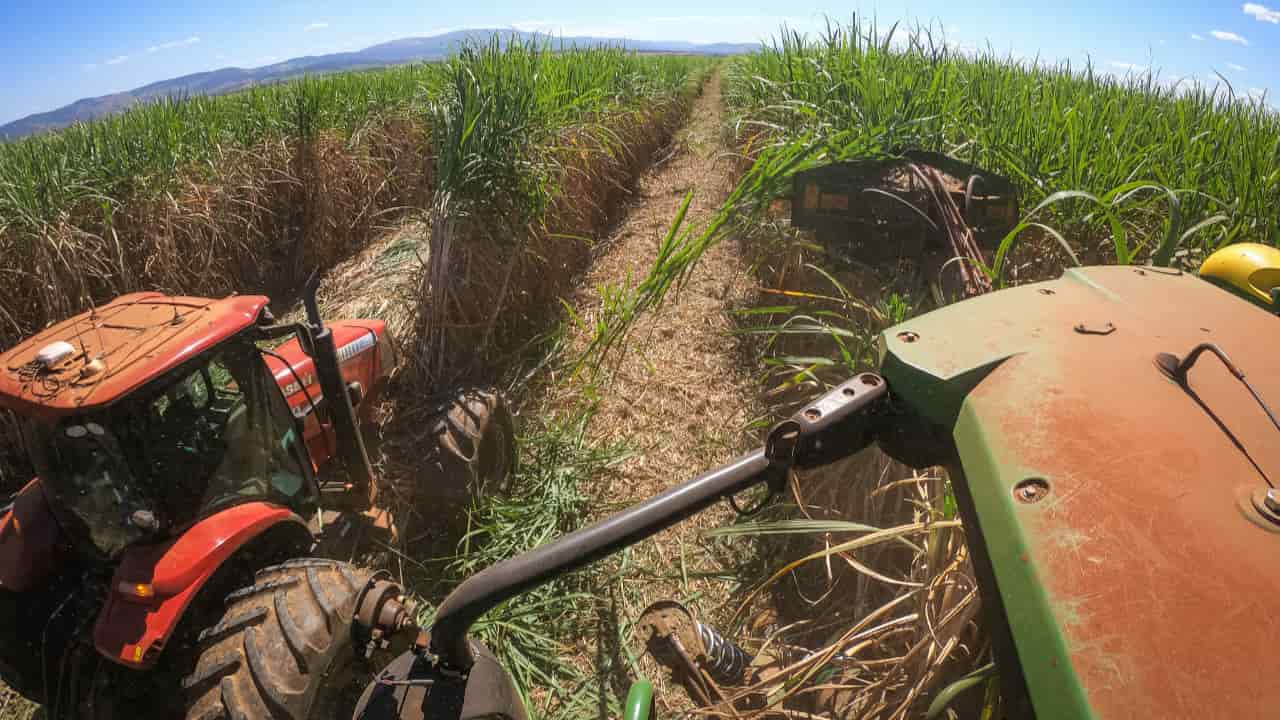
<point>1252,269</point>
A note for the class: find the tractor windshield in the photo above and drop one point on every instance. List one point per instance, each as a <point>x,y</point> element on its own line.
<point>197,441</point>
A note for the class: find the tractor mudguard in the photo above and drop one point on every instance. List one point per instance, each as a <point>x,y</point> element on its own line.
<point>155,584</point>
<point>29,540</point>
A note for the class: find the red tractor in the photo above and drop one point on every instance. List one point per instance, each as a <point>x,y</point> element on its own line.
<point>193,456</point>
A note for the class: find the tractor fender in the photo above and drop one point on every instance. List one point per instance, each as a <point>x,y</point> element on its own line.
<point>29,540</point>
<point>155,584</point>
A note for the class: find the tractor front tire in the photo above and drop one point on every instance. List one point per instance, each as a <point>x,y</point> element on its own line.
<point>475,441</point>
<point>468,446</point>
<point>283,648</point>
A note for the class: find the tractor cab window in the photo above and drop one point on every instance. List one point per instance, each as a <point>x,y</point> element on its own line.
<point>197,441</point>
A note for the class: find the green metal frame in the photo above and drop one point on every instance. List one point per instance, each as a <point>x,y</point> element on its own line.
<point>1058,381</point>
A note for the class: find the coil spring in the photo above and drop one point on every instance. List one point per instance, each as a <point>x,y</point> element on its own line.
<point>726,662</point>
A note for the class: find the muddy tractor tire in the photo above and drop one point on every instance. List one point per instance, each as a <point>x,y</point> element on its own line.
<point>283,649</point>
<point>469,450</point>
<point>476,440</point>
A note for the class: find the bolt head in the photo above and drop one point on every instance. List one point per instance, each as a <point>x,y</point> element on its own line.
<point>1273,500</point>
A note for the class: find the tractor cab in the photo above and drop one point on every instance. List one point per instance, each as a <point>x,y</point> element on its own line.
<point>209,434</point>
<point>145,415</point>
<point>151,413</point>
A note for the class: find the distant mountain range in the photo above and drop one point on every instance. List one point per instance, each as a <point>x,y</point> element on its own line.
<point>396,52</point>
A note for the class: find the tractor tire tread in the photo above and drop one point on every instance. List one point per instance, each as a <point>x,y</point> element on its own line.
<point>349,575</point>
<point>231,625</point>
<point>260,588</point>
<point>471,452</point>
<point>298,645</point>
<point>214,669</point>
<point>328,608</point>
<point>309,562</point>
<point>260,671</point>
<point>278,643</point>
<point>231,701</point>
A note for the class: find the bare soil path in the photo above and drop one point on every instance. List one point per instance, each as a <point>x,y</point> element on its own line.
<point>675,393</point>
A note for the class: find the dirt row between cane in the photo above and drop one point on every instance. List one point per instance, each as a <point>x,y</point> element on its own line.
<point>676,394</point>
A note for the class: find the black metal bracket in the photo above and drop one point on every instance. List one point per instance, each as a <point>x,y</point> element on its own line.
<point>840,423</point>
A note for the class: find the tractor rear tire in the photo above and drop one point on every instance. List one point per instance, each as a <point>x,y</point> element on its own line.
<point>284,648</point>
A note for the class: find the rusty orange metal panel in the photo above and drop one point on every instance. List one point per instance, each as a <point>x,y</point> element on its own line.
<point>1114,502</point>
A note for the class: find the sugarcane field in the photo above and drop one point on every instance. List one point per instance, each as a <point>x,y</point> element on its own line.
<point>683,361</point>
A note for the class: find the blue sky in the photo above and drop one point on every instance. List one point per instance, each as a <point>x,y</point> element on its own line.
<point>55,52</point>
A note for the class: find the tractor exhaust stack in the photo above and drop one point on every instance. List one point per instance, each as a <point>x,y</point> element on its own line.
<point>324,353</point>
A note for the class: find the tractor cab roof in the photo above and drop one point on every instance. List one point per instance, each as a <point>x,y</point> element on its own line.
<point>99,356</point>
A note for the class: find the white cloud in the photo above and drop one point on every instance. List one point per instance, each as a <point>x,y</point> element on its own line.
<point>315,26</point>
<point>687,28</point>
<point>1262,13</point>
<point>432,32</point>
<point>1228,37</point>
<point>174,44</point>
<point>1237,68</point>
<point>117,59</point>
<point>1196,36</point>
<point>1129,67</point>
<point>1257,93</point>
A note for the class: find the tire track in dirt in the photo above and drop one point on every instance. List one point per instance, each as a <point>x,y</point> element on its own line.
<point>675,393</point>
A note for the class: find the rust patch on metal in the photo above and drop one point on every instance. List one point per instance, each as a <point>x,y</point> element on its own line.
<point>831,201</point>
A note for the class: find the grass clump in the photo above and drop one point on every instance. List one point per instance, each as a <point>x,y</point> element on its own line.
<point>549,496</point>
<point>551,499</point>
